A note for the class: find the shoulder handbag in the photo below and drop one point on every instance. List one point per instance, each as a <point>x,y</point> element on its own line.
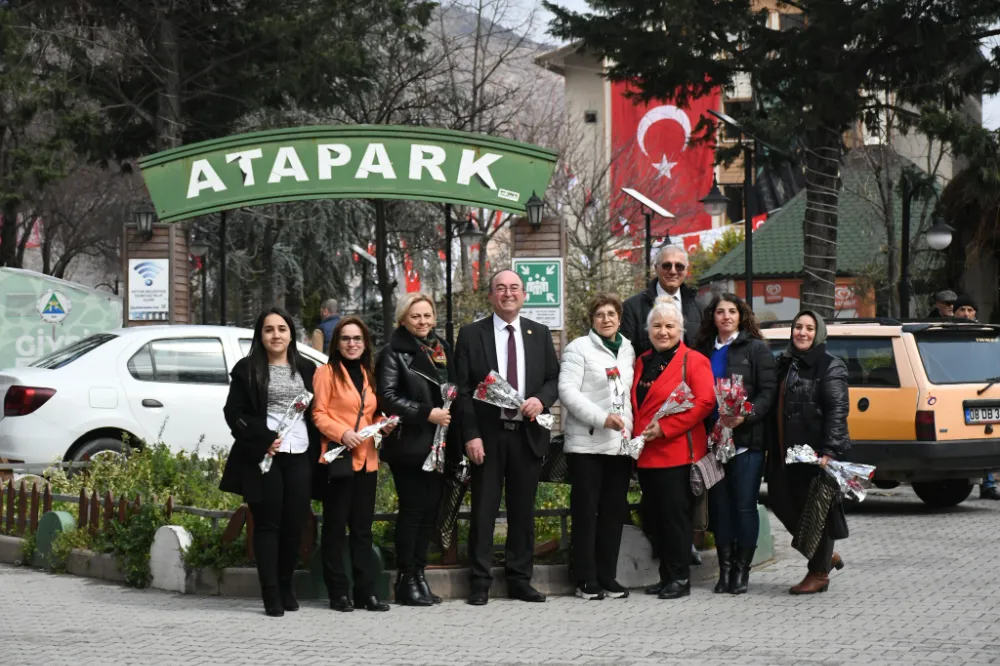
<point>342,466</point>
<point>708,471</point>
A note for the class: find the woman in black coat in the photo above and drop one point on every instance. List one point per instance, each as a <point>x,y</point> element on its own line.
<point>411,371</point>
<point>813,405</point>
<point>730,337</point>
<point>263,385</point>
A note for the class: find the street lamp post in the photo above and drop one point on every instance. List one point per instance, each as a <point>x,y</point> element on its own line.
<point>938,237</point>
<point>222,268</point>
<point>199,248</point>
<point>470,232</point>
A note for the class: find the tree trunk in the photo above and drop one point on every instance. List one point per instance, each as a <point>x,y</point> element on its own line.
<point>386,286</point>
<point>8,235</point>
<point>819,229</point>
<point>168,104</point>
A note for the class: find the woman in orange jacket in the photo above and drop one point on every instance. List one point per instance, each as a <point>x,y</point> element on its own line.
<point>673,443</point>
<point>345,402</point>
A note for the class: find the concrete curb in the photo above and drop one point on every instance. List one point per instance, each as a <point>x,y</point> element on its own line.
<point>10,549</point>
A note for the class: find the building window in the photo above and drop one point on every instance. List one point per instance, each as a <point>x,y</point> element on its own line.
<point>737,110</point>
<point>734,209</point>
<point>788,22</point>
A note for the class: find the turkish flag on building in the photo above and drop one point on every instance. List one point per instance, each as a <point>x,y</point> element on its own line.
<point>651,152</point>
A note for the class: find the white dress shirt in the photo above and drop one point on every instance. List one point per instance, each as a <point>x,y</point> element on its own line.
<point>501,343</point>
<point>660,291</point>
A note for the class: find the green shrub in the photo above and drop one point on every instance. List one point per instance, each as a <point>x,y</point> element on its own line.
<point>207,550</point>
<point>65,542</point>
<point>131,540</point>
<point>29,544</point>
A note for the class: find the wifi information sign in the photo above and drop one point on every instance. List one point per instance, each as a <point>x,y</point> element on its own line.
<point>148,289</point>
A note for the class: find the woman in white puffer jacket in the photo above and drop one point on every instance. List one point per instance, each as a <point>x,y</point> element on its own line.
<point>597,418</point>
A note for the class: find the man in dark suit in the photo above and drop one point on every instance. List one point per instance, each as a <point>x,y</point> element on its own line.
<point>671,270</point>
<point>505,446</point>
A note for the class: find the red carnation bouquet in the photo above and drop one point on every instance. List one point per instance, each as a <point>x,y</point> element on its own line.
<point>732,399</point>
<point>494,390</point>
<point>435,459</point>
<point>680,400</point>
<point>293,414</point>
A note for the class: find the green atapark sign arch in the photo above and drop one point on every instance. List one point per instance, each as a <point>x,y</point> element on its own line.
<point>346,161</point>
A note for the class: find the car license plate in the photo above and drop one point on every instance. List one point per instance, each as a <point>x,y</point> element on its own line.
<point>977,415</point>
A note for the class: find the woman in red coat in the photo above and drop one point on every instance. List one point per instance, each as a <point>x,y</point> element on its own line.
<point>673,443</point>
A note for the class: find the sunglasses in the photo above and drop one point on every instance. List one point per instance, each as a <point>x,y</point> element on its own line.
<point>348,339</point>
<point>678,267</point>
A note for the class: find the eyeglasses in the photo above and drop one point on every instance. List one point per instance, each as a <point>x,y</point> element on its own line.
<point>504,289</point>
<point>606,315</point>
<point>678,267</point>
<point>355,339</point>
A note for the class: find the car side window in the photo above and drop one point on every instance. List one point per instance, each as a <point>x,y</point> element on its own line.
<point>870,361</point>
<point>245,344</point>
<point>181,361</point>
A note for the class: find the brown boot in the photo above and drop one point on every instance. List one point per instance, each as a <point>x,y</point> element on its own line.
<point>812,583</point>
<point>837,562</point>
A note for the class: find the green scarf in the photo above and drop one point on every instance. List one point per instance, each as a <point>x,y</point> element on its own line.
<point>612,345</point>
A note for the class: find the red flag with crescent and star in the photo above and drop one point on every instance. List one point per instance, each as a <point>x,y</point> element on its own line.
<point>652,153</point>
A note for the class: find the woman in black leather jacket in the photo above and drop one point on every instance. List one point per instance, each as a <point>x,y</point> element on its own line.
<point>813,405</point>
<point>411,371</point>
<point>730,337</point>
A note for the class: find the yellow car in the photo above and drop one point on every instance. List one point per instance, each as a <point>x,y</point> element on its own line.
<point>925,400</point>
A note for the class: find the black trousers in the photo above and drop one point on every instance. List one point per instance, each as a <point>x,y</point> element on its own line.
<point>349,504</point>
<point>511,462</point>
<point>279,517</point>
<point>419,493</point>
<point>598,505</point>
<point>668,491</point>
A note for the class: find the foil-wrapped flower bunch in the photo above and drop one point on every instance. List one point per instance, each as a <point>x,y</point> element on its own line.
<point>854,479</point>
<point>732,399</point>
<point>293,414</point>
<point>494,390</point>
<point>373,430</point>
<point>435,459</point>
<point>617,391</point>
<point>680,400</point>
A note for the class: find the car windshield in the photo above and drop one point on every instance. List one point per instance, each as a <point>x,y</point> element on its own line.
<point>67,355</point>
<point>960,357</point>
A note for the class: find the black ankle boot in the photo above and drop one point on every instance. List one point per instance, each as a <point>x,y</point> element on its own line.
<point>425,589</point>
<point>272,600</point>
<point>408,592</point>
<point>287,595</point>
<point>725,566</point>
<point>738,583</point>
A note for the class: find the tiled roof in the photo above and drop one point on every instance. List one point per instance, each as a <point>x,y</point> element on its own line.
<point>777,245</point>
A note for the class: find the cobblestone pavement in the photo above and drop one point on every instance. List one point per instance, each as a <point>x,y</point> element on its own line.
<point>919,587</point>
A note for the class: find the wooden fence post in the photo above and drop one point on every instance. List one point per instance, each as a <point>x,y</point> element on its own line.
<point>170,506</point>
<point>10,507</point>
<point>83,510</point>
<point>122,504</point>
<point>235,525</point>
<point>22,508</point>
<point>47,499</point>
<point>95,513</point>
<point>34,506</point>
<point>109,510</point>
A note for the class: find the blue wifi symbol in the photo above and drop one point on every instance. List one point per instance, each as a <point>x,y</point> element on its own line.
<point>148,271</point>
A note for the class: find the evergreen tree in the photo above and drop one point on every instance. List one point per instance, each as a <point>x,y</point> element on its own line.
<point>837,65</point>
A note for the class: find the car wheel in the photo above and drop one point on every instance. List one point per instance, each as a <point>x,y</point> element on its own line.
<point>943,494</point>
<point>886,485</point>
<point>101,446</point>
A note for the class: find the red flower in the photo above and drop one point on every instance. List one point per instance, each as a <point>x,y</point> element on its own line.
<point>747,407</point>
<point>451,393</point>
<point>481,393</point>
<point>490,379</point>
<point>613,373</point>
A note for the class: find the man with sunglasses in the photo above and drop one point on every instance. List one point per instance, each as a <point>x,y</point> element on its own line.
<point>671,271</point>
<point>505,447</point>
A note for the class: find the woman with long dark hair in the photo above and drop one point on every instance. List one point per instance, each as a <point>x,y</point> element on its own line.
<point>345,403</point>
<point>813,406</point>
<point>411,371</point>
<point>730,337</point>
<point>264,384</point>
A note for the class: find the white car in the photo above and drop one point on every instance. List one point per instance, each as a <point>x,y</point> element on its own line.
<point>149,383</point>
